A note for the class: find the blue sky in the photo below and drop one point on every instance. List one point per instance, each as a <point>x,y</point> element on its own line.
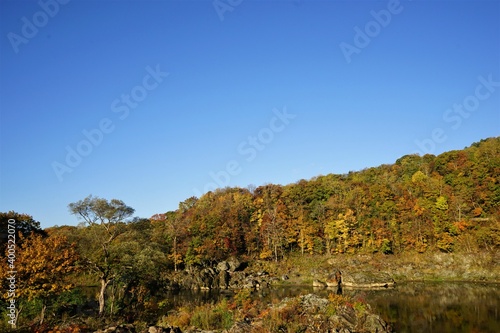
<point>180,96</point>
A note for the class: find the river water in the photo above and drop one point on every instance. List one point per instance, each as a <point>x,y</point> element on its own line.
<point>438,307</point>
<point>409,308</point>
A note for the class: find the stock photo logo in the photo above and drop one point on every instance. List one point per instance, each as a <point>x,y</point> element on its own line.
<point>457,113</point>
<point>249,150</point>
<point>30,27</point>
<point>223,6</point>
<point>120,106</point>
<point>363,37</point>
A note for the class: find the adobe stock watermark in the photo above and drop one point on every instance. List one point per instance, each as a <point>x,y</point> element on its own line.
<point>119,106</point>
<point>223,6</point>
<point>371,30</point>
<point>31,27</point>
<point>249,150</point>
<point>11,268</point>
<point>457,113</point>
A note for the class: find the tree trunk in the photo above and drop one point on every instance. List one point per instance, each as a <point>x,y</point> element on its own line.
<point>18,312</point>
<point>302,241</point>
<point>42,314</point>
<point>175,253</point>
<point>102,293</point>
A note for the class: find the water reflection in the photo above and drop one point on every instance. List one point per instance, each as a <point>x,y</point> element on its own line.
<point>409,308</point>
<point>438,307</point>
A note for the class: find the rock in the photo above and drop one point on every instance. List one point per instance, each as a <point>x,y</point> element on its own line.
<point>234,264</point>
<point>196,278</point>
<point>224,279</point>
<point>347,319</point>
<point>128,328</point>
<point>207,277</point>
<point>373,323</point>
<point>313,303</point>
<point>168,329</point>
<point>223,266</point>
<point>344,321</point>
<point>236,280</point>
<point>334,279</point>
<point>241,327</point>
<point>367,280</point>
<point>319,284</point>
<point>250,283</point>
<point>284,277</point>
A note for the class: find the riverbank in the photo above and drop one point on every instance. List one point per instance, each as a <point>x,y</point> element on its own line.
<point>305,269</point>
<point>245,314</point>
<point>445,307</point>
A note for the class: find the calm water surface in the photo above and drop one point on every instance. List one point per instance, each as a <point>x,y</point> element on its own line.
<point>409,308</point>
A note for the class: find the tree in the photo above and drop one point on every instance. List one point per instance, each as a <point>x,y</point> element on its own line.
<point>43,265</point>
<point>269,215</point>
<point>170,227</point>
<point>106,222</point>
<point>24,225</point>
<point>139,272</point>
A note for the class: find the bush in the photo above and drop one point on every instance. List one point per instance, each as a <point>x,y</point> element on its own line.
<point>213,317</point>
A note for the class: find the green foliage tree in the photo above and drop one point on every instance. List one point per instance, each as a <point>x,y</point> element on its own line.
<point>105,221</point>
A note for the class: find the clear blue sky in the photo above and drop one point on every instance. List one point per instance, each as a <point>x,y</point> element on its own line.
<point>231,70</point>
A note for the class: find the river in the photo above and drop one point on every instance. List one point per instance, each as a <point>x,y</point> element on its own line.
<point>414,307</point>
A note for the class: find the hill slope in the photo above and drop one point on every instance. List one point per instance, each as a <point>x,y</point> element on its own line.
<point>449,202</point>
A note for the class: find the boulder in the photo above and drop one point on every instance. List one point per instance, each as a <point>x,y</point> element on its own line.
<point>313,303</point>
<point>168,329</point>
<point>208,280</point>
<point>241,327</point>
<point>367,280</point>
<point>334,279</point>
<point>373,323</point>
<point>224,279</point>
<point>197,278</point>
<point>223,266</point>
<point>127,328</point>
<point>346,318</point>
<point>234,264</point>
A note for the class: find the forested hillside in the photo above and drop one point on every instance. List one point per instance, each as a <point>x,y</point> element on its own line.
<point>449,202</point>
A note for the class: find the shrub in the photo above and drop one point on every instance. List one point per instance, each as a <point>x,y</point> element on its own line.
<point>212,317</point>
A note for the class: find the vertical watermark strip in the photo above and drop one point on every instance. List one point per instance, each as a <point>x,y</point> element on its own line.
<point>11,273</point>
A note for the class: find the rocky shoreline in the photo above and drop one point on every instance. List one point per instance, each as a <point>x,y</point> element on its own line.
<point>229,275</point>
<point>336,273</point>
<point>354,271</point>
<point>312,314</point>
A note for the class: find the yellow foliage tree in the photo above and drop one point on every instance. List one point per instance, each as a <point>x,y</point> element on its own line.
<point>42,266</point>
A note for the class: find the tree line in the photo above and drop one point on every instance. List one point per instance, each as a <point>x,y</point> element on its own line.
<point>449,202</point>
